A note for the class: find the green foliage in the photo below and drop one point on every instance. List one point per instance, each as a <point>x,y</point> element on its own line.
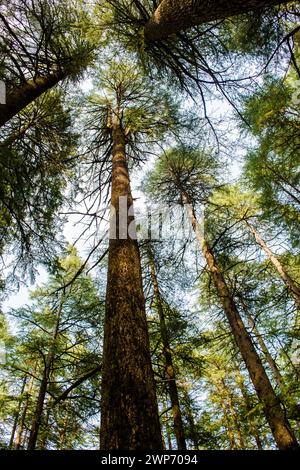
<point>188,59</point>
<point>36,164</point>
<point>59,333</point>
<point>61,325</point>
<point>254,33</point>
<point>149,116</point>
<point>183,169</point>
<point>272,168</point>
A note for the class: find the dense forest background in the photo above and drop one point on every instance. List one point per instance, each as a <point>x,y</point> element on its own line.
<point>177,339</point>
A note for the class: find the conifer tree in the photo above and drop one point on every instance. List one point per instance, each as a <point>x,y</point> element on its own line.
<point>131,115</point>
<point>60,328</point>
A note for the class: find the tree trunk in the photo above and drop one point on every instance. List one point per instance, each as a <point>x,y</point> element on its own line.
<point>17,415</point>
<point>169,368</point>
<point>274,414</point>
<point>45,428</point>
<point>129,413</point>
<point>38,413</point>
<point>14,427</point>
<point>18,98</point>
<point>173,16</point>
<point>166,423</point>
<point>190,418</point>
<point>272,364</point>
<point>294,290</point>
<point>37,417</point>
<point>18,440</point>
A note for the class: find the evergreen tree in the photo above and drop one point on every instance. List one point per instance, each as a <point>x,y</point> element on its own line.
<point>36,165</point>
<point>58,343</point>
<point>275,416</point>
<point>43,43</point>
<point>131,114</point>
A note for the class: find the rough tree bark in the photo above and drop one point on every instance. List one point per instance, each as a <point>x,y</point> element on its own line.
<point>18,440</point>
<point>39,406</point>
<point>273,411</point>
<point>294,290</point>
<point>169,368</point>
<point>19,434</point>
<point>173,16</point>
<point>129,413</point>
